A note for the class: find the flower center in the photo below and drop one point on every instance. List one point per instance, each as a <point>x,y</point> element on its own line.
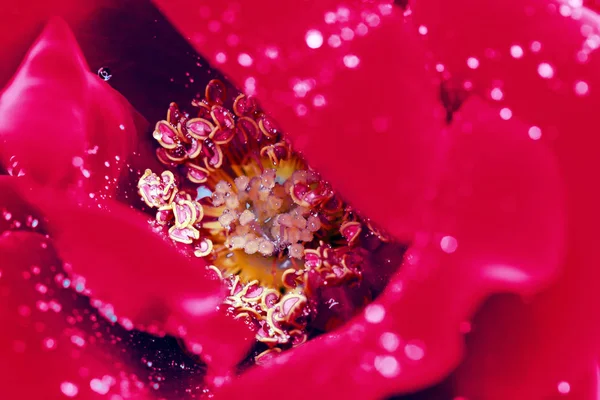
<point>273,231</point>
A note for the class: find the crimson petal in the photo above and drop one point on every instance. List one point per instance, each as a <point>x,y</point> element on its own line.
<point>57,113</point>
<point>144,277</point>
<point>312,74</point>
<point>43,354</point>
<point>496,226</point>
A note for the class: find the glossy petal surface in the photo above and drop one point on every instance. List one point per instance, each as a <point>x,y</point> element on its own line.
<point>545,69</point>
<point>45,352</point>
<point>57,113</point>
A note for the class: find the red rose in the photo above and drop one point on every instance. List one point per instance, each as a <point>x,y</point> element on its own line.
<point>465,129</point>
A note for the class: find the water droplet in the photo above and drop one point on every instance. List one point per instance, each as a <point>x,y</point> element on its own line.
<point>535,133</point>
<point>374,313</point>
<point>245,60</point>
<point>387,366</point>
<point>564,387</point>
<point>505,114</point>
<point>448,244</point>
<point>104,73</point>
<point>581,88</point>
<point>351,61</point>
<point>516,51</point>
<point>314,39</point>
<point>414,351</point>
<point>545,70</point>
<point>472,62</point>
<point>99,386</point>
<point>389,341</point>
<point>69,389</point>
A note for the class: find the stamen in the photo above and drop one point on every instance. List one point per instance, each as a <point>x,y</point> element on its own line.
<point>272,229</point>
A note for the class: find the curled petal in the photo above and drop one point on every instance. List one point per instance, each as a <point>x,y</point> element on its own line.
<point>57,113</point>
<point>144,277</point>
<point>310,81</point>
<point>39,356</point>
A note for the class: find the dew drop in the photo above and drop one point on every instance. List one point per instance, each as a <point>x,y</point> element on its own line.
<point>387,366</point>
<point>374,313</point>
<point>448,244</point>
<point>472,62</point>
<point>245,60</point>
<point>545,70</point>
<point>581,88</point>
<point>564,387</point>
<point>414,351</point>
<point>389,341</point>
<point>497,94</point>
<point>104,73</point>
<point>69,389</point>
<point>505,114</point>
<point>314,39</point>
<point>99,386</point>
<point>351,61</point>
<point>516,51</point>
<point>535,133</point>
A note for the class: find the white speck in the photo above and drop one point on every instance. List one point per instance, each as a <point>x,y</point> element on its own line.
<point>69,389</point>
<point>387,366</point>
<point>581,88</point>
<point>330,17</point>
<point>272,53</point>
<point>351,61</point>
<point>472,62</point>
<point>535,133</point>
<point>314,39</point>
<point>389,341</point>
<point>516,51</point>
<point>245,60</point>
<point>414,352</point>
<point>77,162</point>
<point>334,41</point>
<point>545,70</point>
<point>448,244</point>
<point>505,114</point>
<point>220,57</point>
<point>535,46</point>
<point>301,110</point>
<point>423,30</point>
<point>122,127</point>
<point>319,100</point>
<point>497,94</point>
<point>347,33</point>
<point>374,313</point>
<point>564,387</point>
<point>99,386</point>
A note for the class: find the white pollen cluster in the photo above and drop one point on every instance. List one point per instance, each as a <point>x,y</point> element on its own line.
<point>262,217</point>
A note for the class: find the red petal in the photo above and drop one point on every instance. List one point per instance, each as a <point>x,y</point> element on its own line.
<point>313,93</point>
<point>21,22</point>
<point>133,268</point>
<point>556,336</point>
<point>497,225</point>
<point>62,125</point>
<point>39,357</point>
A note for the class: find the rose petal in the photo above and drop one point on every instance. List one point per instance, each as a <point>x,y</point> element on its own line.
<point>310,80</point>
<point>546,68</point>
<point>501,201</point>
<point>39,358</point>
<point>145,278</point>
<point>57,113</point>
